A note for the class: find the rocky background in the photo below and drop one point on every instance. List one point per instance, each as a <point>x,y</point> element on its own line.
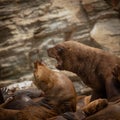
<point>28,28</point>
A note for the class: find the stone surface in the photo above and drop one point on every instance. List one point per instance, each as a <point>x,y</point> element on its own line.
<point>105,24</point>
<point>107,33</point>
<point>115,4</point>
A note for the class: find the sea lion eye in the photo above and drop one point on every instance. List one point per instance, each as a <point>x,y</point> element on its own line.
<point>60,50</point>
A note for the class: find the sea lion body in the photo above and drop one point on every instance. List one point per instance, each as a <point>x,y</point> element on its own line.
<point>93,65</point>
<point>59,90</point>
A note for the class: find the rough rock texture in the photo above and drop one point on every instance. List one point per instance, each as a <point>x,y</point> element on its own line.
<point>28,28</point>
<point>105,24</point>
<point>107,33</point>
<point>115,4</point>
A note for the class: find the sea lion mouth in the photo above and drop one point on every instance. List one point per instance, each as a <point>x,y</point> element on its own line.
<point>59,63</point>
<point>53,54</point>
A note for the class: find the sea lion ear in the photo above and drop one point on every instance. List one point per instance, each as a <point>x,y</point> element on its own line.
<point>37,63</point>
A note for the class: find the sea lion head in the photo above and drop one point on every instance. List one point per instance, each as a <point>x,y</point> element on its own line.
<point>41,75</point>
<point>65,53</point>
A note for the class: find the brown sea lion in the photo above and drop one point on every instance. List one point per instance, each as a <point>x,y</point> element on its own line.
<point>35,113</point>
<point>59,90</point>
<point>20,102</point>
<point>28,113</point>
<point>93,65</point>
<point>7,114</point>
<point>22,98</point>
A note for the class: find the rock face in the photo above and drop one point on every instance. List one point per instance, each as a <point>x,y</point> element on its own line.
<point>115,4</point>
<point>105,24</point>
<point>28,28</point>
<point>107,33</point>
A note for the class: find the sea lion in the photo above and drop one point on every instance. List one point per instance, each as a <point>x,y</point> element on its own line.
<point>28,113</point>
<point>35,113</point>
<point>93,65</point>
<point>59,90</point>
<point>22,98</point>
